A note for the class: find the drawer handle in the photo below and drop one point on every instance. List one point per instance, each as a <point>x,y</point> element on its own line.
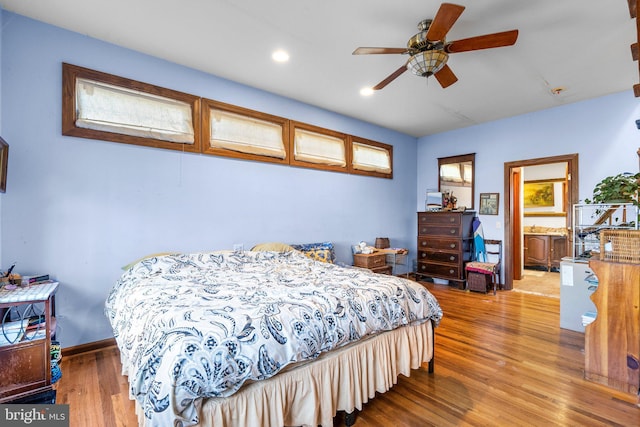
<point>452,219</point>
<point>452,258</point>
<point>453,231</point>
<point>423,255</point>
<point>424,243</point>
<point>453,246</point>
<point>450,271</point>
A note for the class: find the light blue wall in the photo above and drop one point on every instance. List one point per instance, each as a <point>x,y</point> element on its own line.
<point>80,209</point>
<point>602,131</point>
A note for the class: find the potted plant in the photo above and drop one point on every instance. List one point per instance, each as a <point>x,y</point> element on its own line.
<point>615,189</point>
<point>621,188</point>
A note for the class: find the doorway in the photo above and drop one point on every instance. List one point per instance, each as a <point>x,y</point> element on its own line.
<point>513,213</point>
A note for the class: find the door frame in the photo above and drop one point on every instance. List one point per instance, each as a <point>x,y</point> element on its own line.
<point>513,226</point>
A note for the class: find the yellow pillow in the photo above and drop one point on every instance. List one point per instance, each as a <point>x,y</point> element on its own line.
<point>273,246</point>
<point>128,266</point>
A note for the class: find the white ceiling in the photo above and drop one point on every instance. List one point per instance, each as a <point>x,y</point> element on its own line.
<point>580,45</point>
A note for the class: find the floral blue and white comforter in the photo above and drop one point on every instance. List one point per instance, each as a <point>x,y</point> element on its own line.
<point>200,325</point>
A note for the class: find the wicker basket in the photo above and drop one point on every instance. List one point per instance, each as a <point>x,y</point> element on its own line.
<point>478,281</point>
<point>382,242</point>
<point>620,246</point>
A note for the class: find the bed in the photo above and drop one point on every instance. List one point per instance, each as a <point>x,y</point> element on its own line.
<point>263,338</point>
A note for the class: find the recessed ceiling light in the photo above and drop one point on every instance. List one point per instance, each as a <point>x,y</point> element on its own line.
<point>366,91</point>
<point>280,56</point>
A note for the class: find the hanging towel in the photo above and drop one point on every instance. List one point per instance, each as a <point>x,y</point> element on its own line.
<point>480,253</point>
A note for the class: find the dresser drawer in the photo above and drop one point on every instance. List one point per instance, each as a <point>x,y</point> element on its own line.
<point>435,244</point>
<point>382,270</point>
<point>441,257</point>
<point>438,218</point>
<point>25,367</point>
<point>439,270</point>
<point>439,230</point>
<point>370,260</point>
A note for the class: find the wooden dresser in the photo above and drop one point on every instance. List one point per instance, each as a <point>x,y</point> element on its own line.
<point>612,340</point>
<point>445,244</point>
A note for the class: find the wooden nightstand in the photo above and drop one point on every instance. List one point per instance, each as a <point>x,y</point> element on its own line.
<point>25,356</point>
<point>376,262</point>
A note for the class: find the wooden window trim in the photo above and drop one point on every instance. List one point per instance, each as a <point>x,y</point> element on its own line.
<point>363,141</point>
<point>201,115</point>
<point>209,104</point>
<point>304,126</point>
<point>69,112</point>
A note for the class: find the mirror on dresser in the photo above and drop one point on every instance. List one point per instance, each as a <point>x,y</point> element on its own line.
<point>456,176</point>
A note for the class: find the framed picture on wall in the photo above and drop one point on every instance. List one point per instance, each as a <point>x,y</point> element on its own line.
<point>489,203</point>
<point>538,194</point>
<point>4,157</point>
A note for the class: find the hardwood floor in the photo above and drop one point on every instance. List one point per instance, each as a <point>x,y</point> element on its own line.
<point>500,361</point>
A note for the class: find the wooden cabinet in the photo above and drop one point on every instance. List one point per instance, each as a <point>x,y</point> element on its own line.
<point>445,244</point>
<point>536,250</point>
<point>612,340</point>
<point>25,353</point>
<point>544,250</point>
<point>558,250</point>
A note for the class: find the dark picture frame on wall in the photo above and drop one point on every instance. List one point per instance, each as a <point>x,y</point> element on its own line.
<point>4,156</point>
<point>489,203</point>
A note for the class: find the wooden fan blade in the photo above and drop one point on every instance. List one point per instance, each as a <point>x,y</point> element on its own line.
<point>391,78</point>
<point>446,77</point>
<point>446,16</point>
<point>378,50</point>
<point>506,38</point>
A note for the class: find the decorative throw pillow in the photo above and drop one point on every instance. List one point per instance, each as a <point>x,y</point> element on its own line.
<point>322,255</point>
<point>322,251</point>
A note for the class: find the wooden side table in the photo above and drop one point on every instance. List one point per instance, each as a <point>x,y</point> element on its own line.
<point>395,257</point>
<point>25,352</point>
<point>376,262</point>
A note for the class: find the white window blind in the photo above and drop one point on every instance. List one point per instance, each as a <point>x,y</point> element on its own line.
<point>314,147</point>
<point>371,158</point>
<point>450,172</point>
<point>110,108</point>
<point>468,173</point>
<point>246,134</point>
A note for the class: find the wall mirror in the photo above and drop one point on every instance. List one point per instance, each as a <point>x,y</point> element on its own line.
<point>457,177</point>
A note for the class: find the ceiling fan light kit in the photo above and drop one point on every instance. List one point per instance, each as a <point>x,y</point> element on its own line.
<point>430,51</point>
<point>427,63</point>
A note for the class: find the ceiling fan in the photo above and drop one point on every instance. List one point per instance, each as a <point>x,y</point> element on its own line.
<point>429,51</point>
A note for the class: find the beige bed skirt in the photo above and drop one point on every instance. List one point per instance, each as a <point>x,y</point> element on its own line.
<point>312,393</point>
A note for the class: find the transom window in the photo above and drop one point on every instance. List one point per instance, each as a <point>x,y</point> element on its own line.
<point>371,158</point>
<point>239,132</point>
<point>102,106</point>
<point>316,147</point>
